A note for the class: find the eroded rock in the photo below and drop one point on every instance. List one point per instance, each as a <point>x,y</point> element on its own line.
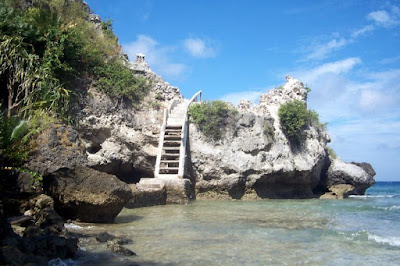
<point>256,156</point>
<point>114,246</point>
<point>86,194</point>
<point>148,192</point>
<point>351,174</point>
<point>58,147</point>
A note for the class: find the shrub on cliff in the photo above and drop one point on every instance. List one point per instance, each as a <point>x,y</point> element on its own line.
<point>294,118</point>
<point>211,117</point>
<point>46,46</point>
<point>116,80</point>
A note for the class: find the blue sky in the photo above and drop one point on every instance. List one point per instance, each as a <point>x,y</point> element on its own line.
<point>347,52</point>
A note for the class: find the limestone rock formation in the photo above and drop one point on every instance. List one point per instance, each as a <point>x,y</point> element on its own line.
<point>339,191</point>
<point>256,159</point>
<point>148,192</point>
<point>358,175</point>
<point>86,194</point>
<point>120,139</point>
<point>57,147</point>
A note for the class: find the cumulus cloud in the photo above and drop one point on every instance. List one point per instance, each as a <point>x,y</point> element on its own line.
<point>200,47</point>
<point>158,57</point>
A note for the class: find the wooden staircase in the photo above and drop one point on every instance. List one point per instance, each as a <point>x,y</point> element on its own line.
<point>169,163</point>
<point>171,153</point>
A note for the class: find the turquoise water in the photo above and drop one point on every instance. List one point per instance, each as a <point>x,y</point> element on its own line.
<point>358,231</point>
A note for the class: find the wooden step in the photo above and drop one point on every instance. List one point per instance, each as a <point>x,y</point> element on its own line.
<point>173,127</point>
<point>172,137</point>
<point>171,148</point>
<point>170,156</point>
<point>172,143</point>
<point>170,161</point>
<point>172,130</point>
<point>170,168</point>
<point>166,172</point>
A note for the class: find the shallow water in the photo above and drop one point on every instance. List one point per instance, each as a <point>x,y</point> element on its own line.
<point>358,230</point>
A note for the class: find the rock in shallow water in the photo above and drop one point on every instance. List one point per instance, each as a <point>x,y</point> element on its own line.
<point>114,246</point>
<point>351,174</point>
<point>148,192</point>
<point>87,194</point>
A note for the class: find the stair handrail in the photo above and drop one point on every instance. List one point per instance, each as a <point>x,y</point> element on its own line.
<point>167,111</point>
<point>185,127</point>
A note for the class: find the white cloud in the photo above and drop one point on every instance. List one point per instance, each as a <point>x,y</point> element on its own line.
<point>371,100</point>
<point>158,57</point>
<point>337,67</point>
<point>200,47</point>
<point>386,18</point>
<point>320,51</point>
<point>362,31</point>
<point>382,18</point>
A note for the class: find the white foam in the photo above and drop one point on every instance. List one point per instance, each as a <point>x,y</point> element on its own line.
<point>390,240</point>
<point>73,226</point>
<point>391,208</point>
<point>371,196</point>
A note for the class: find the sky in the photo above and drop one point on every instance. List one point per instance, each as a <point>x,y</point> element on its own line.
<point>347,52</point>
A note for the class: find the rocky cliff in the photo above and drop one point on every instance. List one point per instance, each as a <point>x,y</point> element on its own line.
<point>255,159</point>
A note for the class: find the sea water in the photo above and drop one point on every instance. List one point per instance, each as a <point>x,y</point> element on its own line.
<point>361,230</point>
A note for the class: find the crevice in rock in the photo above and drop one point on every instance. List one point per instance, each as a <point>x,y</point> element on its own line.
<point>124,171</point>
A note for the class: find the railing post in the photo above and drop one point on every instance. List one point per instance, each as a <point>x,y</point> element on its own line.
<point>185,126</point>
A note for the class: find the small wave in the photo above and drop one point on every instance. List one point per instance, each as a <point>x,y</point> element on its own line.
<point>372,196</point>
<point>390,240</point>
<point>73,226</point>
<point>391,208</point>
<point>364,235</point>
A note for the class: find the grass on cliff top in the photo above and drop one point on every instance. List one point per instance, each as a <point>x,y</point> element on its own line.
<point>212,118</point>
<point>295,117</point>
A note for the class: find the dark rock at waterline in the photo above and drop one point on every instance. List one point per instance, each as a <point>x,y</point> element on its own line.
<point>104,237</point>
<point>44,237</point>
<point>87,194</point>
<point>358,175</point>
<point>57,147</point>
<point>114,246</point>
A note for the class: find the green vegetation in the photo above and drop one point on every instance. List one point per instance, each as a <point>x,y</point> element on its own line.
<point>46,47</point>
<point>331,152</point>
<point>269,130</point>
<point>159,97</point>
<point>294,118</point>
<point>117,80</point>
<point>308,89</point>
<point>156,105</point>
<point>212,117</point>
